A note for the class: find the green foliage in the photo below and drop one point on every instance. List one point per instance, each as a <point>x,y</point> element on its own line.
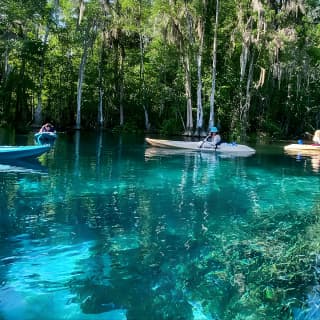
<point>271,128</point>
<point>152,39</point>
<point>170,127</point>
<point>314,54</point>
<point>129,127</point>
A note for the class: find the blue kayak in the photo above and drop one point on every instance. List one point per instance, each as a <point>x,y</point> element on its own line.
<point>45,137</point>
<point>20,152</point>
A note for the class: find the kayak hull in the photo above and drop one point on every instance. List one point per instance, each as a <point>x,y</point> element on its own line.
<point>200,146</point>
<point>303,148</point>
<point>45,137</point>
<point>21,152</point>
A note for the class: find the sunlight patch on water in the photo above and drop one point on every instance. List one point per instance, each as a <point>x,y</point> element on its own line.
<point>48,266</point>
<point>40,281</point>
<point>48,306</point>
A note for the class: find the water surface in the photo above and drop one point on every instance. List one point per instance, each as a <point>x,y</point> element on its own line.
<point>105,227</point>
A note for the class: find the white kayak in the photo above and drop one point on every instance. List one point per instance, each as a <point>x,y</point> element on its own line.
<point>233,148</point>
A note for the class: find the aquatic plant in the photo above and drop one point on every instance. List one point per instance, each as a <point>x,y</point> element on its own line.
<point>268,265</point>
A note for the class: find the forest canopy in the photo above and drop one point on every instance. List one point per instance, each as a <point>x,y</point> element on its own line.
<point>250,67</point>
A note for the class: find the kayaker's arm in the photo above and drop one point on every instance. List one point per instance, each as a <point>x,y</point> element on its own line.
<point>205,140</point>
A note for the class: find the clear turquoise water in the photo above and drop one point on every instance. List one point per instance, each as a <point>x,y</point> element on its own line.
<point>104,227</point>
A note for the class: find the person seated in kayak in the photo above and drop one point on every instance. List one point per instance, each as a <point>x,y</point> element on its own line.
<point>214,137</point>
<point>316,137</point>
<point>48,127</point>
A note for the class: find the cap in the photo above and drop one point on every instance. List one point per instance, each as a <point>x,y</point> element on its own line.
<point>213,129</point>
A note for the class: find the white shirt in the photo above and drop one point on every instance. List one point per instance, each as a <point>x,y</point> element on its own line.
<point>316,140</point>
<point>216,139</point>
<point>316,137</point>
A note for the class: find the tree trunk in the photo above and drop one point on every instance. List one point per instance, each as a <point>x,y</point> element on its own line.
<point>199,128</point>
<point>20,114</point>
<point>244,109</point>
<point>38,110</point>
<point>142,86</point>
<point>101,91</point>
<point>239,116</point>
<point>80,82</point>
<point>82,7</point>
<point>100,108</point>
<point>214,69</point>
<point>121,89</point>
<point>6,62</point>
<point>189,124</point>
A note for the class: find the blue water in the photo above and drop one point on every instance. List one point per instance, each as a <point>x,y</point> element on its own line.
<point>105,227</point>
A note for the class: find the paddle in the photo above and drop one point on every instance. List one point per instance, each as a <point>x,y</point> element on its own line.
<point>204,140</point>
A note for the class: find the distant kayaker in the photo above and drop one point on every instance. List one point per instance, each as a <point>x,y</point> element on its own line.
<point>316,137</point>
<point>48,127</point>
<point>215,137</point>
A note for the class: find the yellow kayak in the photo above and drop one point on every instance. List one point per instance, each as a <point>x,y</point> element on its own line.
<point>302,148</point>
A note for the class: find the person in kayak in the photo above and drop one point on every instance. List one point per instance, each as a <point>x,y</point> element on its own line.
<point>48,127</point>
<point>316,137</point>
<point>213,138</point>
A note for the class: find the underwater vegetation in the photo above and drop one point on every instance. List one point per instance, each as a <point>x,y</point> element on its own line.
<point>266,270</point>
<point>188,237</point>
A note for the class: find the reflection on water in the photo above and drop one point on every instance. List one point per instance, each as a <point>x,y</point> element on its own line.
<point>306,156</point>
<point>116,230</point>
<point>163,151</point>
<point>315,162</point>
<point>22,166</point>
